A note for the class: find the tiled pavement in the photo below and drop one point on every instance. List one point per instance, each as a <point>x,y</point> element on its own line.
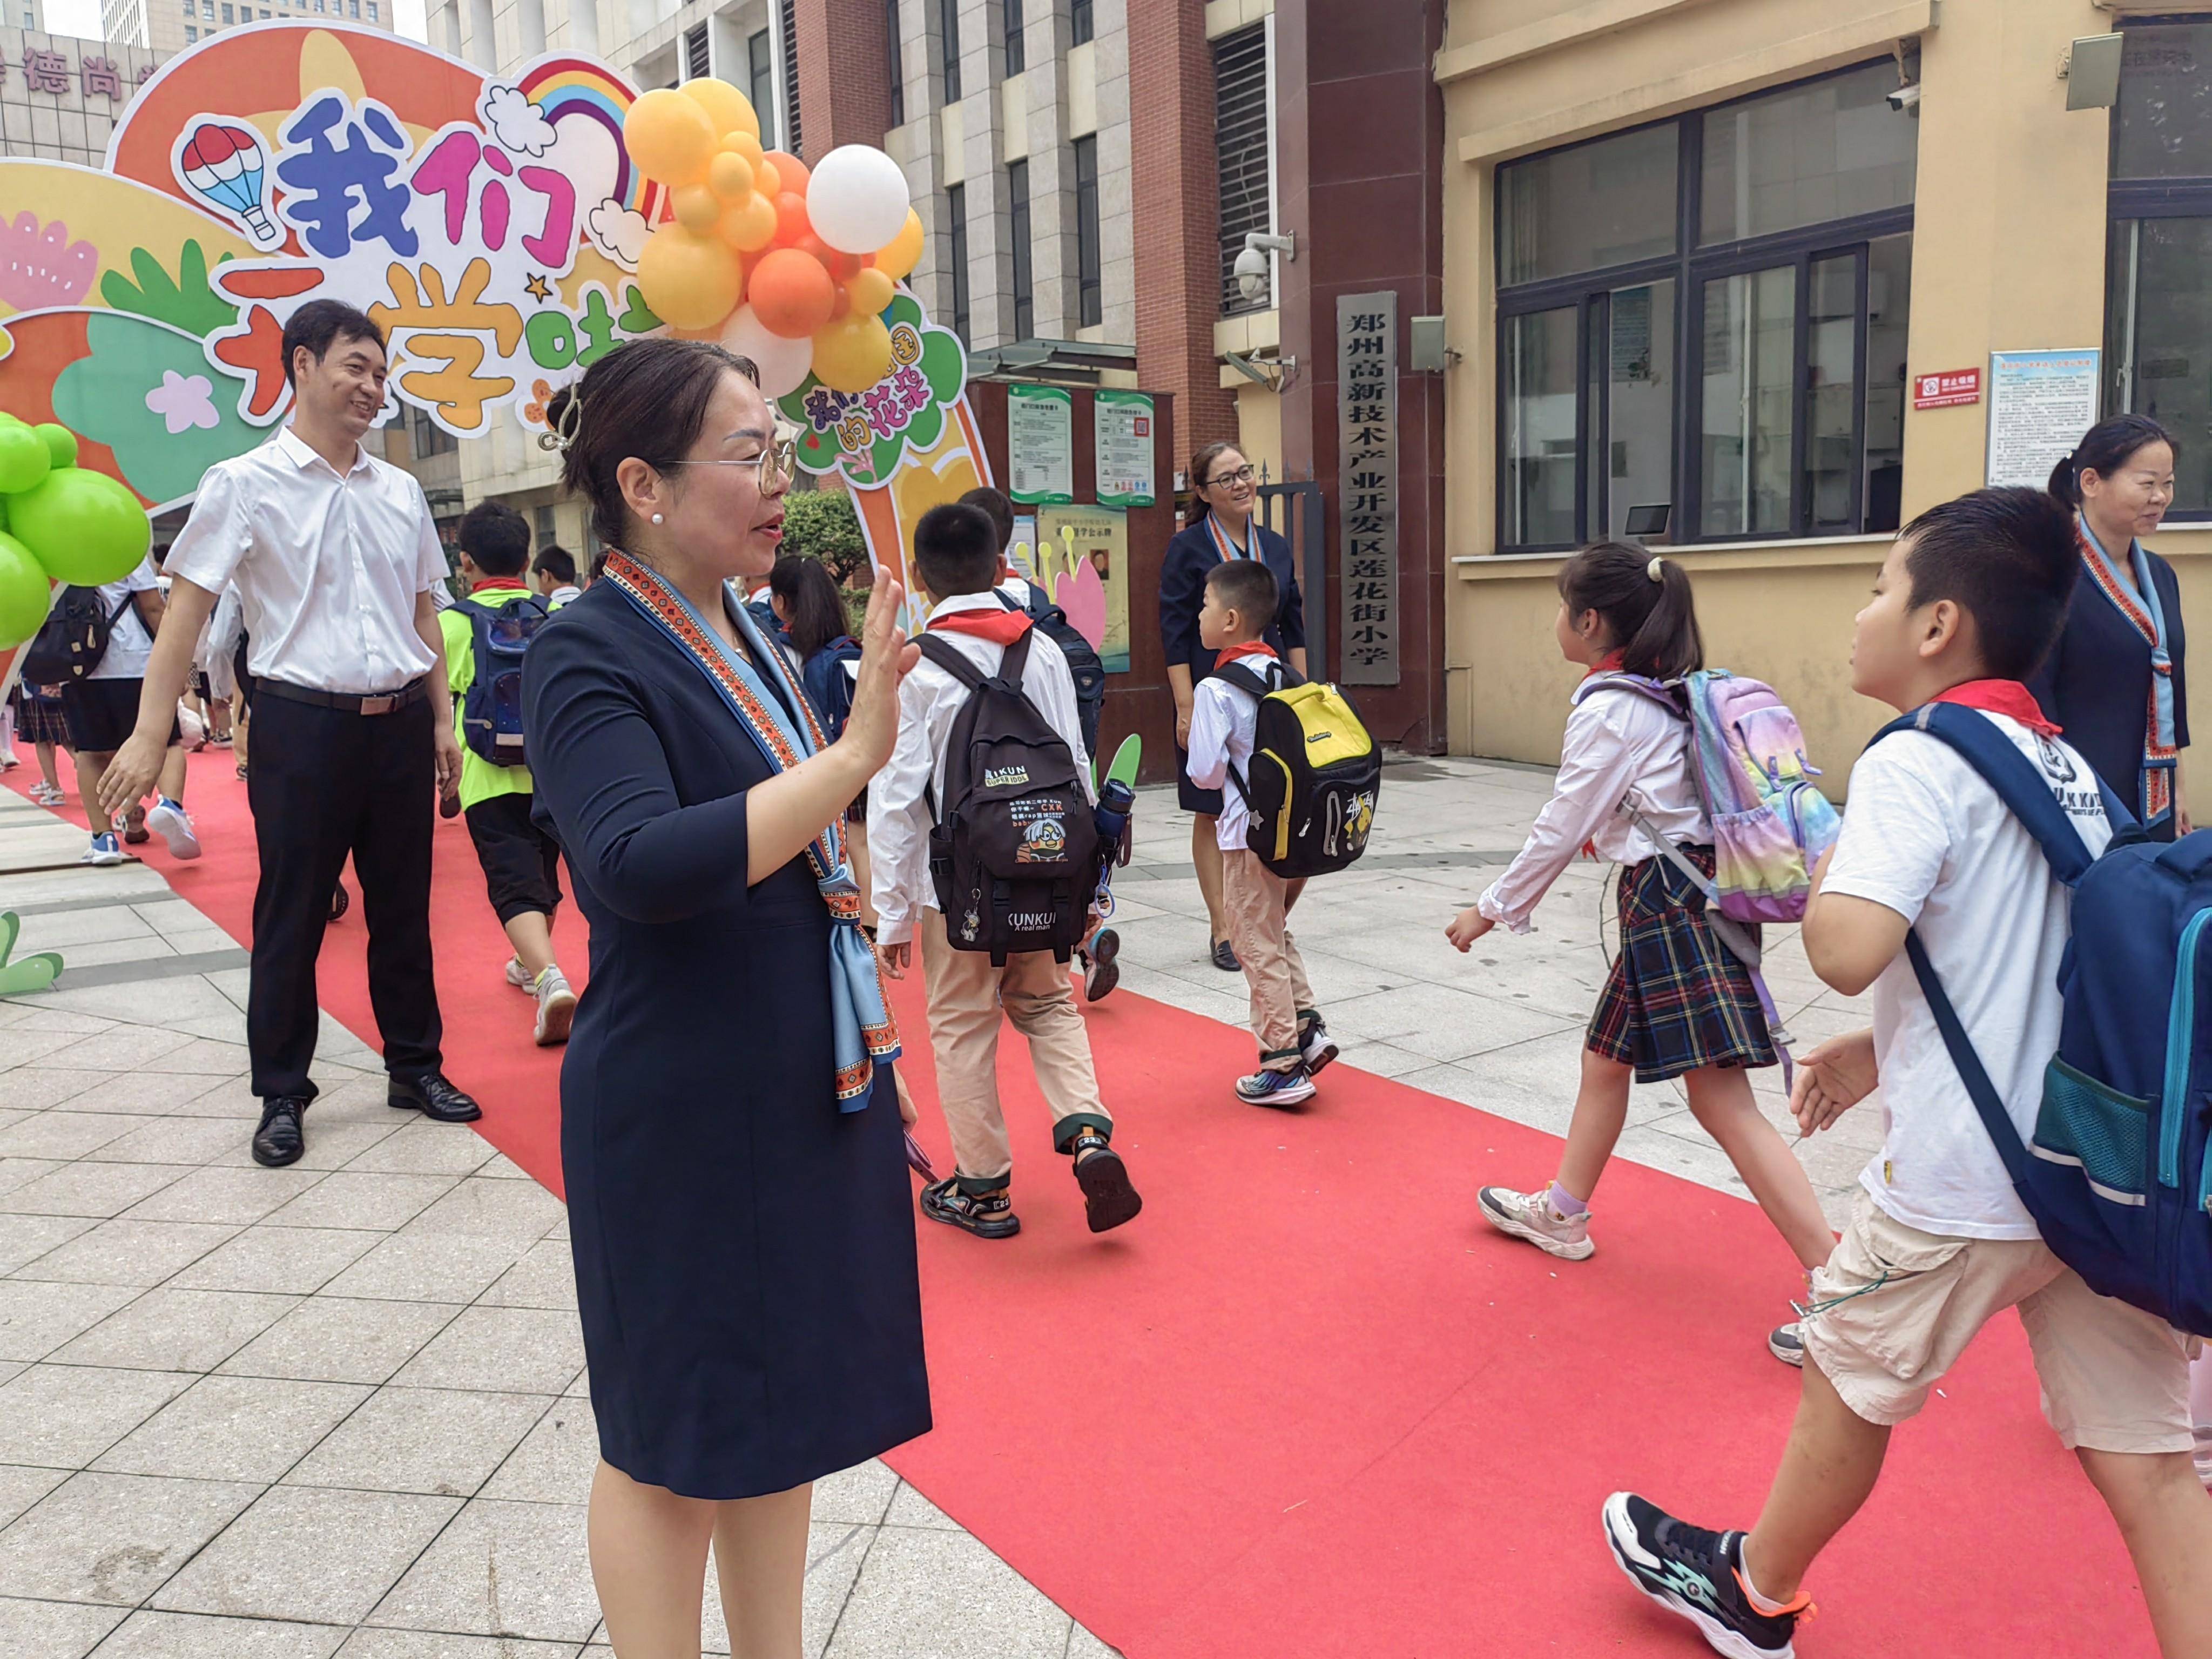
<point>339,1409</point>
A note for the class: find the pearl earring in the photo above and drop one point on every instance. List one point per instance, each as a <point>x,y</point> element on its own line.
<point>656,517</point>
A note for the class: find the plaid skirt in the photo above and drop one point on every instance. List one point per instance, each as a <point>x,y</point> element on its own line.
<point>39,719</point>
<point>1677,998</point>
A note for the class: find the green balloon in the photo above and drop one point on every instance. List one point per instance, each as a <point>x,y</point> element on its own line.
<point>60,441</point>
<point>24,588</point>
<point>83,527</point>
<point>24,458</point>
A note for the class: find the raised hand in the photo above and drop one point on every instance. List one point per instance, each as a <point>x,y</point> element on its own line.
<point>872,726</point>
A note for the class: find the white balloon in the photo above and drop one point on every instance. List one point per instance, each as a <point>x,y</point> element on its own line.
<point>857,199</point>
<point>784,364</point>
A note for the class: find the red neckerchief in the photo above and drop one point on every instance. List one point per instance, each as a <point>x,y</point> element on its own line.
<point>1002,627</point>
<point>2006,697</point>
<point>514,582</point>
<point>1229,654</point>
<point>1608,664</point>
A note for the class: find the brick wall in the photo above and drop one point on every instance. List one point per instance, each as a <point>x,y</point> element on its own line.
<point>844,74</point>
<point>1177,217</point>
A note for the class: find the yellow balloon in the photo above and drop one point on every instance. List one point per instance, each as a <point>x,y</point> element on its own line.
<point>728,109</point>
<point>852,353</point>
<point>748,224</point>
<point>747,144</point>
<point>766,180</point>
<point>690,281</point>
<point>730,176</point>
<point>897,258</point>
<point>696,207</point>
<point>669,137</point>
<point>870,291</point>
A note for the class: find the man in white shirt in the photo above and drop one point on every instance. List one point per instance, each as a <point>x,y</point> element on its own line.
<point>102,709</point>
<point>553,573</point>
<point>338,562</point>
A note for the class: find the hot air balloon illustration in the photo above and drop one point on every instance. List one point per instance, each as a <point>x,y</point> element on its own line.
<point>223,164</point>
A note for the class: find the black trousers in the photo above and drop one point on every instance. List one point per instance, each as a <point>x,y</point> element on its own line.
<point>324,783</point>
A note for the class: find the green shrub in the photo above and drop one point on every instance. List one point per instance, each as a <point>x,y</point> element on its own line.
<point>820,524</point>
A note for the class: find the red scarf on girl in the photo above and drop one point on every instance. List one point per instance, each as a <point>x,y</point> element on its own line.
<point>1002,627</point>
<point>2006,697</point>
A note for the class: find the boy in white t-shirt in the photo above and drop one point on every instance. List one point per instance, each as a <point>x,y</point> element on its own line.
<point>1969,600</point>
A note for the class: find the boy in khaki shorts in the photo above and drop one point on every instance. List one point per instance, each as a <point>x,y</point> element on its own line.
<point>1239,603</point>
<point>1969,602</point>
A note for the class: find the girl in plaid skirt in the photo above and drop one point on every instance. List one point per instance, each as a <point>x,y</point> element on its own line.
<point>39,723</point>
<point>1678,1003</point>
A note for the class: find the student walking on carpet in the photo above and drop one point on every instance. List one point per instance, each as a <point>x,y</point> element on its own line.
<point>1678,1003</point>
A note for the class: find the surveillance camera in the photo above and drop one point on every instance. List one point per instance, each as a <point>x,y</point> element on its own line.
<point>1251,272</point>
<point>1905,97</point>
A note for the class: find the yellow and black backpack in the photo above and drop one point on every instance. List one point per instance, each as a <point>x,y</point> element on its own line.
<point>1315,775</point>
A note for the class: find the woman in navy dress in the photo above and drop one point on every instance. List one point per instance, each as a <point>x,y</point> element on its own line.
<point>1221,485</point>
<point>736,1183</point>
<point>2115,681</point>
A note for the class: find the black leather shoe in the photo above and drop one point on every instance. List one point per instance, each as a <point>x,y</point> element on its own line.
<point>434,1098</point>
<point>278,1141</point>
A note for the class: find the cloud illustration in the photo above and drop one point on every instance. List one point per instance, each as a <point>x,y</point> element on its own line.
<point>518,124</point>
<point>619,232</point>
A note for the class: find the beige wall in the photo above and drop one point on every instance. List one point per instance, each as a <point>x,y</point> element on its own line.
<point>2008,254</point>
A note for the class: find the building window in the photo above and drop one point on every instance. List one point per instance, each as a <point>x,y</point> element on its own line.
<point>429,439</point>
<point>2158,304</point>
<point>1706,318</point>
<point>895,60</point>
<point>695,52</point>
<point>543,526</point>
<point>948,31</point>
<point>956,255</point>
<point>1079,23</point>
<point>372,10</point>
<point>759,69</point>
<point>1017,201</point>
<point>793,144</point>
<point>191,35</point>
<point>1089,296</point>
<point>1016,54</point>
<point>1241,140</point>
<point>229,12</point>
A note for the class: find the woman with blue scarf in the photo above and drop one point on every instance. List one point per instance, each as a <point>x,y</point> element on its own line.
<point>2114,681</point>
<point>730,1137</point>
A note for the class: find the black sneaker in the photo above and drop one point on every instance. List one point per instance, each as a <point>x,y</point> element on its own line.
<point>1100,975</point>
<point>1693,1572</point>
<point>986,1215</point>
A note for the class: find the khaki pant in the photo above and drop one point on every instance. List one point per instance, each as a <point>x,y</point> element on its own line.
<point>966,994</point>
<point>1253,896</point>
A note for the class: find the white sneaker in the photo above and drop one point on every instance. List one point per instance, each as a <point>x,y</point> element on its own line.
<point>173,825</point>
<point>556,1008</point>
<point>1530,1215</point>
<point>517,974</point>
<point>103,851</point>
<point>1316,1046</point>
<point>46,794</point>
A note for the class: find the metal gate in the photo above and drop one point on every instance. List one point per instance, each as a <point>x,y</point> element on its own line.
<point>1293,511</point>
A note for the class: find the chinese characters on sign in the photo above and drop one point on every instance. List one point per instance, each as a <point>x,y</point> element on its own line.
<point>1122,435</point>
<point>1949,389</point>
<point>48,72</point>
<point>1367,483</point>
<point>2040,403</point>
<point>1040,444</point>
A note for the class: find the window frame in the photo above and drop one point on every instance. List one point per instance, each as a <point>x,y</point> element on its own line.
<point>896,63</point>
<point>1692,267</point>
<point>956,258</point>
<point>1017,46</point>
<point>948,48</point>
<point>1082,26</point>
<point>1018,240</point>
<point>1090,283</point>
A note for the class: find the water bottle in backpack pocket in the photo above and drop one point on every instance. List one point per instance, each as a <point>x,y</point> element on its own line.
<point>491,708</point>
<point>1316,774</point>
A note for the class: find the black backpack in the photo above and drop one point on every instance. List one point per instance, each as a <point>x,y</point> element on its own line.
<point>73,639</point>
<point>491,708</point>
<point>1082,661</point>
<point>1014,852</point>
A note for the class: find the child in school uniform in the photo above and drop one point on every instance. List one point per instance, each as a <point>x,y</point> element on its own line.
<point>955,553</point>
<point>1678,1003</point>
<point>1239,604</point>
<point>1969,600</point>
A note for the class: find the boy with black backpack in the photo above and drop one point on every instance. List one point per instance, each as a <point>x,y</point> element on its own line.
<point>486,634</point>
<point>984,842</point>
<point>1938,883</point>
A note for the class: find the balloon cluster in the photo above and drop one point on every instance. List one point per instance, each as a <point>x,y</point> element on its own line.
<point>790,268</point>
<point>58,522</point>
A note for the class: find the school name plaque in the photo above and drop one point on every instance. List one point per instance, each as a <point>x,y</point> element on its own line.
<point>1367,486</point>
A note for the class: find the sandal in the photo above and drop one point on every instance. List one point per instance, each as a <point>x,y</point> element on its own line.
<point>1109,1200</point>
<point>986,1215</point>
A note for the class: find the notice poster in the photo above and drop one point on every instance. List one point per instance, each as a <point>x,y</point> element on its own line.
<point>1122,421</point>
<point>1083,560</point>
<point>2040,403</point>
<point>1021,553</point>
<point>1040,445</point>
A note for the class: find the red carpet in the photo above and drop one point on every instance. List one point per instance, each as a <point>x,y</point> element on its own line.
<point>1306,1406</point>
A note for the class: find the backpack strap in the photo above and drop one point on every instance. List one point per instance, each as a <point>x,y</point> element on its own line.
<point>1988,1103</point>
<point>2001,766</point>
<point>953,660</point>
<point>1247,679</point>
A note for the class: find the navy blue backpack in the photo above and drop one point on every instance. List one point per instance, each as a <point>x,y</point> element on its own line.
<point>2116,1175</point>
<point>491,708</point>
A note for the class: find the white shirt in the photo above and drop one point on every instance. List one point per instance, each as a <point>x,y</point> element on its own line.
<point>1017,588</point>
<point>328,564</point>
<point>1223,719</point>
<point>930,699</point>
<point>1925,836</point>
<point>561,596</point>
<point>1618,742</point>
<point>129,644</point>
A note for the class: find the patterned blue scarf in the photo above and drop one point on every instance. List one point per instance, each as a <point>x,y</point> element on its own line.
<point>785,730</point>
<point>2140,607</point>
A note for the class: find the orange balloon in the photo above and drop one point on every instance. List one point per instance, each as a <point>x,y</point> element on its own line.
<point>897,258</point>
<point>749,223</point>
<point>791,221</point>
<point>791,173</point>
<point>871,291</point>
<point>815,248</point>
<point>791,293</point>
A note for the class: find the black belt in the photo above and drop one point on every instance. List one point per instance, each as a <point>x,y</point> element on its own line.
<point>353,702</point>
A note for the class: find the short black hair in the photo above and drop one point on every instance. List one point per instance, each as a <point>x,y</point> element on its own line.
<point>1248,587</point>
<point>955,551</point>
<point>497,539</point>
<point>321,323</point>
<point>996,507</point>
<point>2006,557</point>
<point>556,561</point>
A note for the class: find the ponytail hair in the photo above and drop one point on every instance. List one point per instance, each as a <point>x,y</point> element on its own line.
<point>2105,448</point>
<point>1645,604</point>
<point>1200,466</point>
<point>815,613</point>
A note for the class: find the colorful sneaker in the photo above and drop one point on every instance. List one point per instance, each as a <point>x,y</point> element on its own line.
<point>517,974</point>
<point>46,794</point>
<point>103,851</point>
<point>173,825</point>
<point>1316,1046</point>
<point>986,1215</point>
<point>1699,1575</point>
<point>1531,1217</point>
<point>557,1007</point>
<point>1100,975</point>
<point>1787,1343</point>
<point>1267,1088</point>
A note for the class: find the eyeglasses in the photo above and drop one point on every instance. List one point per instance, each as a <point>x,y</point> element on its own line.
<point>1242,475</point>
<point>774,466</point>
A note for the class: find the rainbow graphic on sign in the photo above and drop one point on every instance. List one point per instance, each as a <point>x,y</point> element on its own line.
<point>573,89</point>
